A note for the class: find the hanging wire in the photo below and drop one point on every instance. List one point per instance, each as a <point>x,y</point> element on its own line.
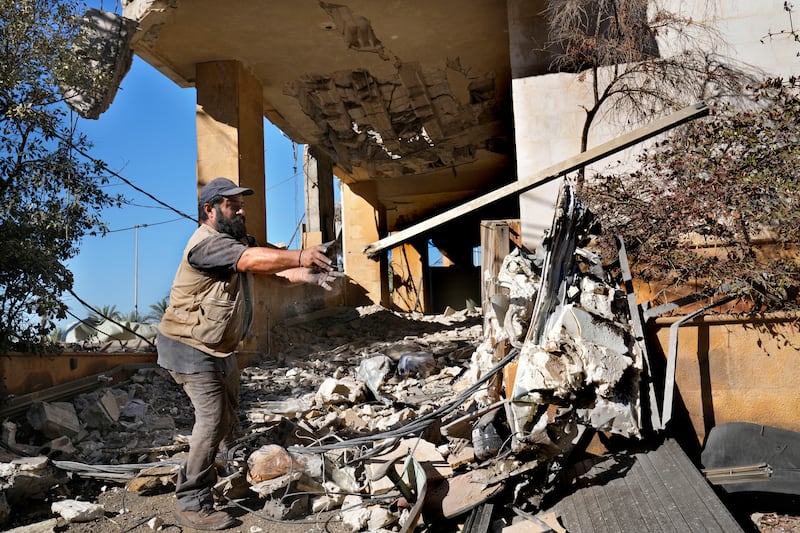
<point>100,314</point>
<point>145,225</point>
<point>105,168</point>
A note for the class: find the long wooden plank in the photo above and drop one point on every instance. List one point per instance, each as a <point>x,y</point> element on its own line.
<point>559,169</point>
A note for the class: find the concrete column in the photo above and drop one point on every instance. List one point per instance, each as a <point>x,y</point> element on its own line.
<point>363,223</point>
<point>409,271</point>
<point>230,143</point>
<point>230,134</point>
<point>318,187</point>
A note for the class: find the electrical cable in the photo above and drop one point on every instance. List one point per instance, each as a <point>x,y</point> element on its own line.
<point>419,424</point>
<point>106,168</point>
<point>85,304</point>
<point>145,225</point>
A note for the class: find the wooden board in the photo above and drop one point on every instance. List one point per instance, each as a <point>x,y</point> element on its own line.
<point>528,182</point>
<point>658,491</point>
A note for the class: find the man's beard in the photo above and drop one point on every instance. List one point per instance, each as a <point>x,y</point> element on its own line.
<point>232,226</point>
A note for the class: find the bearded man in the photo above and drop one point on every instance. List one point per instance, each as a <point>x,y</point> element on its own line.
<point>209,313</point>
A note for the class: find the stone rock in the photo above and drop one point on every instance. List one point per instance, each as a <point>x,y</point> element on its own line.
<point>47,526</point>
<point>53,420</point>
<point>29,478</point>
<point>77,511</point>
<point>346,390</point>
<point>354,516</point>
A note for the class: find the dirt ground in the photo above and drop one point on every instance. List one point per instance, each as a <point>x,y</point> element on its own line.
<point>131,512</point>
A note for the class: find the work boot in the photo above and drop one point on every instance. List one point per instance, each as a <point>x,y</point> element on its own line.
<point>206,519</point>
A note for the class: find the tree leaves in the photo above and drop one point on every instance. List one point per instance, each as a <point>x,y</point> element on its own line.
<point>718,201</point>
<point>50,198</point>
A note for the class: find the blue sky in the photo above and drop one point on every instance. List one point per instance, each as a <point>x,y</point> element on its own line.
<point>148,136</point>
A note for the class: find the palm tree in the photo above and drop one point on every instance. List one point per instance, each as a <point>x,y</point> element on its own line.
<point>157,311</point>
<point>133,316</point>
<point>56,335</point>
<point>106,312</point>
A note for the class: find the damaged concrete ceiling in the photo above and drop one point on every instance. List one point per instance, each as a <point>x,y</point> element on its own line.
<point>413,96</point>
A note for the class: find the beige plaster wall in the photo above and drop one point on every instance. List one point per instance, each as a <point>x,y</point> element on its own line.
<point>547,109</point>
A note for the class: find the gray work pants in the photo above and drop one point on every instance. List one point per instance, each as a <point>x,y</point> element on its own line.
<point>215,398</point>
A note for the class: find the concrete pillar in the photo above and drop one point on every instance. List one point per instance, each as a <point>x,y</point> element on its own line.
<point>318,188</point>
<point>363,222</point>
<point>409,272</point>
<point>230,143</point>
<point>230,134</point>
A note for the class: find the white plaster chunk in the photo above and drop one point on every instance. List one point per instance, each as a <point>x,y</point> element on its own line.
<point>597,297</point>
<point>380,517</point>
<point>333,391</point>
<point>354,515</point>
<point>77,511</point>
<point>395,419</point>
<point>332,499</point>
<point>611,416</point>
<point>579,324</point>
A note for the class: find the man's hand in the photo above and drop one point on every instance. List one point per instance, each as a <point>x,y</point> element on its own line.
<point>323,279</point>
<point>315,258</point>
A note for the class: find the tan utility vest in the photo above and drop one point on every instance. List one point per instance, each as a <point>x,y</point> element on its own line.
<point>207,311</point>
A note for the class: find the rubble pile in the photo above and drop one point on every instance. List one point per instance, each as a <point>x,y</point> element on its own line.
<point>391,420</point>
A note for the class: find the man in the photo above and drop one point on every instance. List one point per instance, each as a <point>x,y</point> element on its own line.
<point>209,313</point>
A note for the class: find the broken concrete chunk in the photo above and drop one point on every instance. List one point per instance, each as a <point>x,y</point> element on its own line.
<point>346,390</point>
<point>395,419</point>
<point>9,437</point>
<point>332,499</point>
<point>29,478</point>
<point>354,515</point>
<point>61,448</point>
<point>287,508</point>
<point>77,511</point>
<point>54,419</point>
<point>46,526</point>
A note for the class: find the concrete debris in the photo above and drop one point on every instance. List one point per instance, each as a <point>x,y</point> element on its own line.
<point>77,511</point>
<point>54,419</point>
<point>156,523</point>
<point>104,44</point>
<point>386,419</point>
<point>29,478</point>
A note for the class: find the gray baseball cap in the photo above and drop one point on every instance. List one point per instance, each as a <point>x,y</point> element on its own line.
<point>221,187</point>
